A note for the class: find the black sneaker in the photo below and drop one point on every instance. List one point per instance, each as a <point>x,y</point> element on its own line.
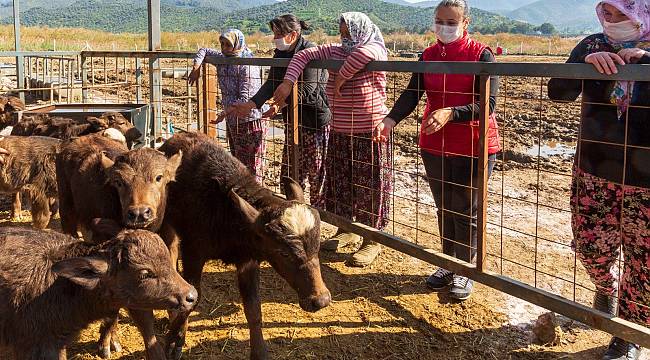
<point>440,279</point>
<point>461,288</point>
<point>620,349</point>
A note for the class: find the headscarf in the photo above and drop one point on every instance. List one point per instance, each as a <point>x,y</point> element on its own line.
<point>362,30</point>
<point>237,40</point>
<point>638,11</point>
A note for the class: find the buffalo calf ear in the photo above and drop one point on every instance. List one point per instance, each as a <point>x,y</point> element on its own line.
<point>173,163</point>
<point>292,190</point>
<point>106,228</point>
<point>248,212</point>
<point>97,122</point>
<point>86,272</point>
<point>106,161</point>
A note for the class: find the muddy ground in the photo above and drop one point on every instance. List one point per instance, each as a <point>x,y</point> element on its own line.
<point>385,311</point>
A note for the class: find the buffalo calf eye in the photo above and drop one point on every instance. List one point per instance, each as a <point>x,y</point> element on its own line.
<point>146,274</point>
<point>159,178</point>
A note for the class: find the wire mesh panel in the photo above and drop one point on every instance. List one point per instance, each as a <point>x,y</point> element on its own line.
<point>511,211</point>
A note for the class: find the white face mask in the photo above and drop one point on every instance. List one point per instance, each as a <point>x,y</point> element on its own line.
<point>622,31</point>
<point>281,45</point>
<point>448,34</point>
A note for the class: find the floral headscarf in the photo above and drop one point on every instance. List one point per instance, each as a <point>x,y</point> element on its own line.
<point>636,10</point>
<point>362,30</point>
<point>237,40</point>
<point>639,12</point>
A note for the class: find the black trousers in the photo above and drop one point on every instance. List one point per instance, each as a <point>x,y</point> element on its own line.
<point>451,180</point>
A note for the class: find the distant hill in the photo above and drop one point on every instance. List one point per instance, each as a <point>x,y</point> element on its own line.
<point>6,6</point>
<point>568,16</point>
<point>489,5</point>
<point>399,2</point>
<point>130,16</point>
<point>389,17</point>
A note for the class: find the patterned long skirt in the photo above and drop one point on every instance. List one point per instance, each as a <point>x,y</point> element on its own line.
<point>359,178</point>
<point>313,152</point>
<point>607,217</point>
<point>247,144</point>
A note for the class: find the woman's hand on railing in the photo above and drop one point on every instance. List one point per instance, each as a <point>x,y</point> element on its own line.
<point>223,115</point>
<point>282,92</point>
<point>193,77</point>
<point>383,129</point>
<point>437,120</point>
<point>242,109</point>
<point>274,108</point>
<point>605,62</point>
<point>632,55</point>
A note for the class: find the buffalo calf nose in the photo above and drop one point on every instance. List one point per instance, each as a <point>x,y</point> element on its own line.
<point>132,215</point>
<point>322,301</point>
<point>147,214</point>
<point>140,214</point>
<point>192,296</point>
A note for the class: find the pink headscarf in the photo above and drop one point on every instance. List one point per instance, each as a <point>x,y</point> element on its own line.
<point>636,10</point>
<point>639,12</point>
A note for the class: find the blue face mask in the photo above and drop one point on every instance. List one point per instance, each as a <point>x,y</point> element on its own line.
<point>349,44</point>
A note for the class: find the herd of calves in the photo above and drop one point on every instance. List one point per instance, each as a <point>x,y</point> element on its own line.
<point>127,217</point>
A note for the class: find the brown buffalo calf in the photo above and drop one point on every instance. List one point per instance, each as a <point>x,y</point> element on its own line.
<point>217,210</point>
<point>29,166</point>
<point>99,178</point>
<point>116,120</point>
<point>53,286</point>
<point>66,128</point>
<point>9,105</point>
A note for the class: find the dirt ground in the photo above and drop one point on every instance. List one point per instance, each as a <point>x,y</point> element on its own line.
<point>386,311</point>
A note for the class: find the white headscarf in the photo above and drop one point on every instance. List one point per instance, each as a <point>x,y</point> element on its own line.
<point>362,30</point>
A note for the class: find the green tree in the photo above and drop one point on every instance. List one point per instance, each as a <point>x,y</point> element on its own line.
<point>547,29</point>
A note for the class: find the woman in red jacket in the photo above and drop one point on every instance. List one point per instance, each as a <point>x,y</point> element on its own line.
<point>449,138</point>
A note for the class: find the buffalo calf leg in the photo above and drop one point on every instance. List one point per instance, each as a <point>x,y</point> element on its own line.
<point>248,279</point>
<point>144,320</point>
<point>40,211</point>
<point>192,269</point>
<point>54,206</point>
<point>16,208</point>
<point>108,339</point>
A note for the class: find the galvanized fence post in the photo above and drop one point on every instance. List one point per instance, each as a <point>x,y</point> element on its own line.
<point>482,186</point>
<point>20,60</point>
<point>84,78</point>
<point>138,80</point>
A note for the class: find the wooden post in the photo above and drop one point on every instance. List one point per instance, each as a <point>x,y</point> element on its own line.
<point>207,91</point>
<point>293,139</point>
<point>482,186</point>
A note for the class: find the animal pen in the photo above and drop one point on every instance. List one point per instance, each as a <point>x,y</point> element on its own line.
<point>512,255</point>
<point>520,251</point>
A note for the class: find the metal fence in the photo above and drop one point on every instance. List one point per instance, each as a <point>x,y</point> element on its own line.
<point>524,219</point>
